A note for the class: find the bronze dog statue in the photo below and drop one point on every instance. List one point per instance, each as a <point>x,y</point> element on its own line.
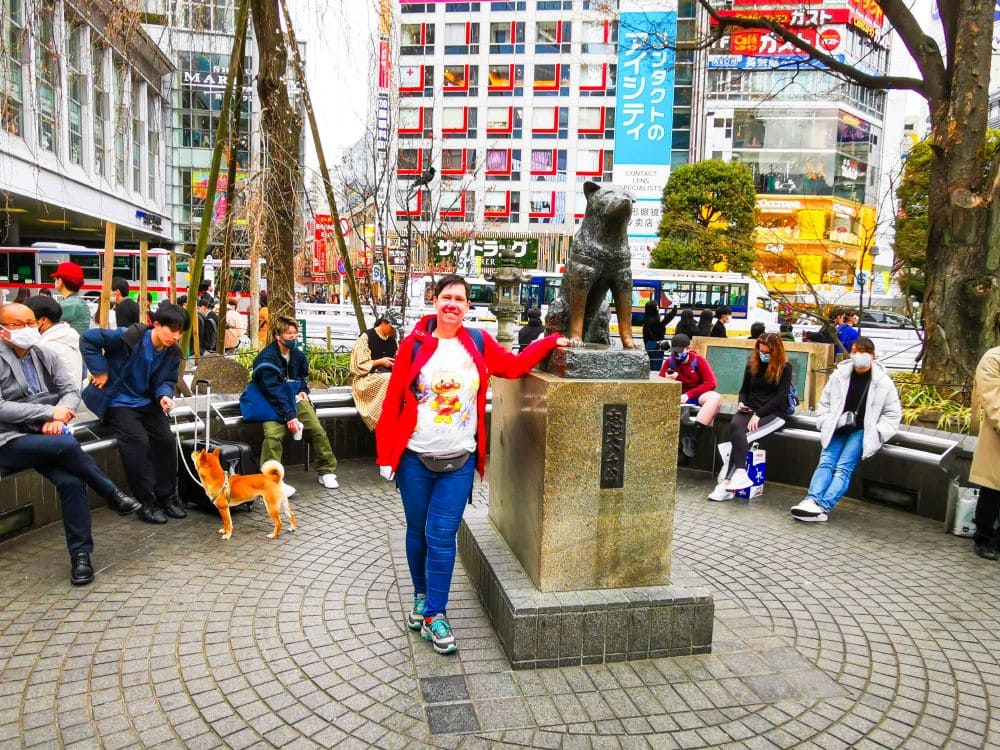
<point>599,261</point>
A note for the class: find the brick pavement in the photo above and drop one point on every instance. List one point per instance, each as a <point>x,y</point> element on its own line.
<point>876,630</point>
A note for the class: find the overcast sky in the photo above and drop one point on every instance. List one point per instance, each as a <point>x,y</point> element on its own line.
<point>339,35</point>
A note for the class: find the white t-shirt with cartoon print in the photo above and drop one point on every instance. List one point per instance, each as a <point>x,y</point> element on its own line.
<point>446,401</point>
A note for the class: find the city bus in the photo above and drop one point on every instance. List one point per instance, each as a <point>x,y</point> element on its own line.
<point>698,290</point>
<point>33,267</point>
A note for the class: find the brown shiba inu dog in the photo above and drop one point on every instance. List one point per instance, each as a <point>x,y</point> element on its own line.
<point>240,489</point>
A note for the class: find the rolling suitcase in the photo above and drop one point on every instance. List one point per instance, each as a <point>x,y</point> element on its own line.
<point>234,456</point>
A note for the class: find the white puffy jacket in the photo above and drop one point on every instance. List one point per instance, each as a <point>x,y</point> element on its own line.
<point>882,411</point>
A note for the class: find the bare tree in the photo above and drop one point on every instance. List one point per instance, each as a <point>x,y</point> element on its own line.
<point>962,305</point>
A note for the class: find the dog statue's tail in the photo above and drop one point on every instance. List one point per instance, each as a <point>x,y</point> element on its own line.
<point>273,469</point>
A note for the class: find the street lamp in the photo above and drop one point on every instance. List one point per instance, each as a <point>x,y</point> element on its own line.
<point>422,181</point>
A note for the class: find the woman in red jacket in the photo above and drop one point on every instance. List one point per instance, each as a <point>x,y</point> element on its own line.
<point>432,425</point>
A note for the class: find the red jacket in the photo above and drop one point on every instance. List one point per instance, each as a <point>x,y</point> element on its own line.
<point>695,379</point>
<point>399,410</point>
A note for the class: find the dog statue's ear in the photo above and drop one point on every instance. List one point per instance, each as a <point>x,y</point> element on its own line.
<point>589,188</point>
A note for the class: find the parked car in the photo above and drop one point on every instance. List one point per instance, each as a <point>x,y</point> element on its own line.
<point>884,319</point>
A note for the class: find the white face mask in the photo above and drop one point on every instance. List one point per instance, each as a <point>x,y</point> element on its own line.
<point>862,361</point>
<point>24,338</point>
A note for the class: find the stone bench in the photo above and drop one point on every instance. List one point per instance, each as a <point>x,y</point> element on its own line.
<point>917,469</point>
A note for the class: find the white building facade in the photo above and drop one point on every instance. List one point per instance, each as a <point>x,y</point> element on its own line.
<point>82,134</point>
<point>516,104</point>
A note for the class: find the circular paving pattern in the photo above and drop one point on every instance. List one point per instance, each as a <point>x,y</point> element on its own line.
<point>874,630</point>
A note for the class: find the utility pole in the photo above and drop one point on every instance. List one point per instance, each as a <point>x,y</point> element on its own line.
<point>235,58</point>
<point>325,173</point>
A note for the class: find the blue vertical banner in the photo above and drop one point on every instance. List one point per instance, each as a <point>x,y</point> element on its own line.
<point>644,110</point>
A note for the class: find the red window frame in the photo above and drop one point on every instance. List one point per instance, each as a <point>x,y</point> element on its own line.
<point>403,213</point>
<point>465,123</point>
<point>420,124</point>
<point>559,34</point>
<point>539,214</point>
<point>555,122</point>
<point>455,213</point>
<point>600,129</point>
<point>599,87</point>
<point>492,214</point>
<point>510,163</point>
<point>416,171</point>
<point>555,162</point>
<point>461,170</point>
<point>444,80</point>
<point>419,87</point>
<point>510,123</point>
<point>600,165</point>
<point>555,83</point>
<point>510,80</point>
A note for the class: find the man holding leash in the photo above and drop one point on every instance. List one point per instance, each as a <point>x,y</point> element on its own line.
<point>133,373</point>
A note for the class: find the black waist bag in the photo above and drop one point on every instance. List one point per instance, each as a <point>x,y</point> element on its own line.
<point>444,461</point>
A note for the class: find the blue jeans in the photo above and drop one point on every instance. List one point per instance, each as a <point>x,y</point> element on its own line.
<point>60,459</point>
<point>433,503</point>
<point>837,463</point>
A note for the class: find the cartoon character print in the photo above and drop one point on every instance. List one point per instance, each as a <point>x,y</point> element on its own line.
<point>446,386</point>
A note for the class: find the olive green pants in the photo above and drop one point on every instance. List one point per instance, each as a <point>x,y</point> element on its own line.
<point>275,432</point>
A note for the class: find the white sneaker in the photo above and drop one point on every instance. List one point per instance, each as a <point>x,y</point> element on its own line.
<point>721,493</point>
<point>740,481</point>
<point>329,481</point>
<point>809,511</point>
<point>287,489</point>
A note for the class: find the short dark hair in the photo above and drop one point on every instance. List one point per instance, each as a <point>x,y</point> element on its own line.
<point>449,279</point>
<point>281,325</point>
<point>723,311</point>
<point>44,307</point>
<point>171,316</point>
<point>756,329</point>
<point>204,285</point>
<point>118,284</point>
<point>863,343</point>
<point>205,301</point>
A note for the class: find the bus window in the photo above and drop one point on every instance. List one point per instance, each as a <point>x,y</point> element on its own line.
<point>551,290</point>
<point>481,294</point>
<point>91,265</point>
<point>124,267</point>
<point>21,267</point>
<point>738,295</point>
<point>642,294</point>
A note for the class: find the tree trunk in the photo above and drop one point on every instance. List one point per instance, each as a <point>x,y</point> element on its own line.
<point>281,128</point>
<point>961,301</point>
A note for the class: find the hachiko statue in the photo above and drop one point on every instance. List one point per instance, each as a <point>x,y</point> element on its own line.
<point>599,261</point>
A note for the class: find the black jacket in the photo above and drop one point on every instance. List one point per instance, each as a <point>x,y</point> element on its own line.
<point>126,312</point>
<point>764,397</point>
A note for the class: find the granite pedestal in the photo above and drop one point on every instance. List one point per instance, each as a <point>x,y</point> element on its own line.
<point>582,485</point>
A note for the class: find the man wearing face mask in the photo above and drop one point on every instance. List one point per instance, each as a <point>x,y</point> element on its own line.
<point>858,412</point>
<point>281,372</point>
<point>38,397</point>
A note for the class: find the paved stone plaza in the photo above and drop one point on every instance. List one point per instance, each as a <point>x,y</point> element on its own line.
<point>876,630</point>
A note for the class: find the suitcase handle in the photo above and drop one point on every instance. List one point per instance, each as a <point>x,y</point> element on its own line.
<point>208,409</point>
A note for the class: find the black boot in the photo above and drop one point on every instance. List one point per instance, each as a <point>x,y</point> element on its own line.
<point>122,503</point>
<point>172,507</point>
<point>81,572</point>
<point>689,441</point>
<point>150,512</point>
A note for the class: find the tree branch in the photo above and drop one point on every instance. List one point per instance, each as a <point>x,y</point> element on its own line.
<point>848,71</point>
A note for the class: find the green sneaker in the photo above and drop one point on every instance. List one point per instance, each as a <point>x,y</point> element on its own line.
<point>415,618</point>
<point>438,632</point>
